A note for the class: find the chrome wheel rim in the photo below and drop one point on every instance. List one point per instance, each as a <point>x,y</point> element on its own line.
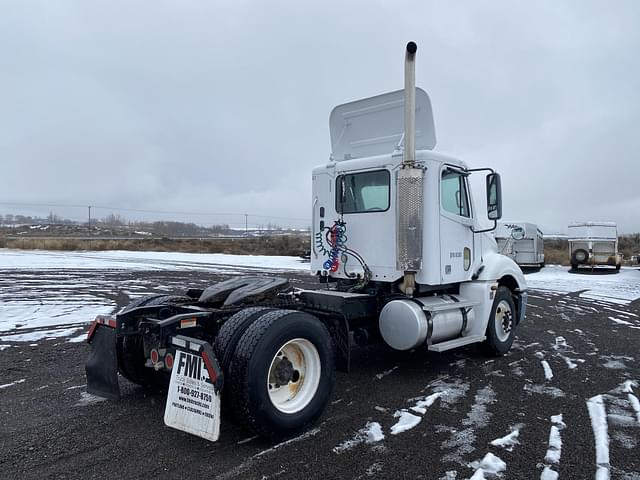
<point>503,320</point>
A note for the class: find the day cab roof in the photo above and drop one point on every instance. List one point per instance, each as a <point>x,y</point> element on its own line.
<point>370,132</point>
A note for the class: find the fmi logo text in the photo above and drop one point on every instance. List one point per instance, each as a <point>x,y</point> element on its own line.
<point>190,366</point>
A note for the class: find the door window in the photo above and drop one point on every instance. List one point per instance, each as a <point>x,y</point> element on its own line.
<point>453,193</point>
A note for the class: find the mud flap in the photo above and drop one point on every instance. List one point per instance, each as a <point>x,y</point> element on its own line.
<point>101,366</point>
<point>193,399</point>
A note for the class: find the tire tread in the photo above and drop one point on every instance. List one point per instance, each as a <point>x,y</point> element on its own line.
<point>241,383</point>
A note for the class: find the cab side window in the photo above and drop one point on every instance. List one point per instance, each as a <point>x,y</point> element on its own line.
<point>453,193</point>
<point>363,192</point>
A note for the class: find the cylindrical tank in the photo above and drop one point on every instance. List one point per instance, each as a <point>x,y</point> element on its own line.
<point>408,323</point>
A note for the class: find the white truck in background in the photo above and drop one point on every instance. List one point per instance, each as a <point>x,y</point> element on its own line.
<point>402,258</point>
<point>521,241</point>
<point>593,244</point>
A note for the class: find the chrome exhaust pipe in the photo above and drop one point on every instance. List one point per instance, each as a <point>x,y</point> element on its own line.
<point>409,221</point>
<point>410,104</point>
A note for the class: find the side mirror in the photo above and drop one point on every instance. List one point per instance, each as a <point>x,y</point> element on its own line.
<point>494,197</point>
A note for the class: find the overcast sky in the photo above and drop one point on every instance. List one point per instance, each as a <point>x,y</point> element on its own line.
<point>222,107</point>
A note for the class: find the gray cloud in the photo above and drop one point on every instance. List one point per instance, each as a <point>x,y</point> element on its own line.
<point>223,106</point>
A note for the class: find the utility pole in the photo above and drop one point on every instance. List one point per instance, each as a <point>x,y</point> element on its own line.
<point>89,216</point>
<point>246,225</point>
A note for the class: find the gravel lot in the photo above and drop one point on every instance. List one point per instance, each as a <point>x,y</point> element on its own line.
<point>574,356</point>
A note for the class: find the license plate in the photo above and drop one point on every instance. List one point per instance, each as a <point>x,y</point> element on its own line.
<point>193,405</point>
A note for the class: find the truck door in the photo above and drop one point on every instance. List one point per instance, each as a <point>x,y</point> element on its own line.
<point>322,207</point>
<point>456,220</point>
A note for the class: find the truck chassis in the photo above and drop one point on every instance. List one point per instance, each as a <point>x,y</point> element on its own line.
<point>274,348</point>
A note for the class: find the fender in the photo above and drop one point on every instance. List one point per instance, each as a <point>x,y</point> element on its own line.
<point>496,266</point>
<point>504,270</point>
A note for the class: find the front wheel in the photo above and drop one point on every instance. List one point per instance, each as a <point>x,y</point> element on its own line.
<point>501,326</point>
<point>282,373</point>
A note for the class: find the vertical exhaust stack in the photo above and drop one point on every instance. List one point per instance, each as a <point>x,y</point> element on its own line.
<point>410,104</point>
<point>409,189</point>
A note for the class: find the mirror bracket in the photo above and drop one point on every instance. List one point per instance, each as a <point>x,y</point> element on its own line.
<point>495,224</point>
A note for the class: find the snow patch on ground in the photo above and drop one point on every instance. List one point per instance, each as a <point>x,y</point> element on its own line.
<point>628,385</point>
<point>79,339</point>
<point>128,260</point>
<point>548,373</point>
<point>380,376</point>
<point>39,335</point>
<point>406,421</point>
<point>370,433</point>
<point>621,288</point>
<point>620,322</point>
<point>461,441</point>
<point>616,362</point>
<point>508,441</point>
<point>548,474</point>
<point>7,385</point>
<point>57,299</point>
<point>422,405</point>
<point>490,464</point>
<point>571,362</point>
<point>88,399</point>
<point>598,416</point>
<point>625,441</point>
<point>635,404</point>
<point>543,389</point>
<point>449,475</point>
<point>51,312</point>
<point>560,343</point>
<point>554,451</point>
<point>310,433</point>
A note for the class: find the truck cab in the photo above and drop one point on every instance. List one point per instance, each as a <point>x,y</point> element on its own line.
<point>391,215</point>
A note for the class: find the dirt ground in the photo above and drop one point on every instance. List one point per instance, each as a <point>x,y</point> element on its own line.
<point>50,428</point>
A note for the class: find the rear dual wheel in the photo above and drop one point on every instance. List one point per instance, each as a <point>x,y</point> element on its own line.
<point>281,374</point>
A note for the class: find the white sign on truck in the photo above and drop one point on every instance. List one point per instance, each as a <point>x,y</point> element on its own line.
<point>192,405</point>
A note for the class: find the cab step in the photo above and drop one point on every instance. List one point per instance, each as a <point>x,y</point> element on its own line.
<point>456,342</point>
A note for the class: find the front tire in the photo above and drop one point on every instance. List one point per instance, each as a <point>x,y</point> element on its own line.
<point>282,373</point>
<point>502,322</point>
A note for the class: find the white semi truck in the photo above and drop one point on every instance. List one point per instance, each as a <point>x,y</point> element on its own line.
<point>399,248</point>
<point>522,241</point>
<point>594,244</point>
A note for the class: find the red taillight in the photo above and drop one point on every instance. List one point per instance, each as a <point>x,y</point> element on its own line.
<point>154,356</point>
<point>168,361</point>
<point>212,371</point>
